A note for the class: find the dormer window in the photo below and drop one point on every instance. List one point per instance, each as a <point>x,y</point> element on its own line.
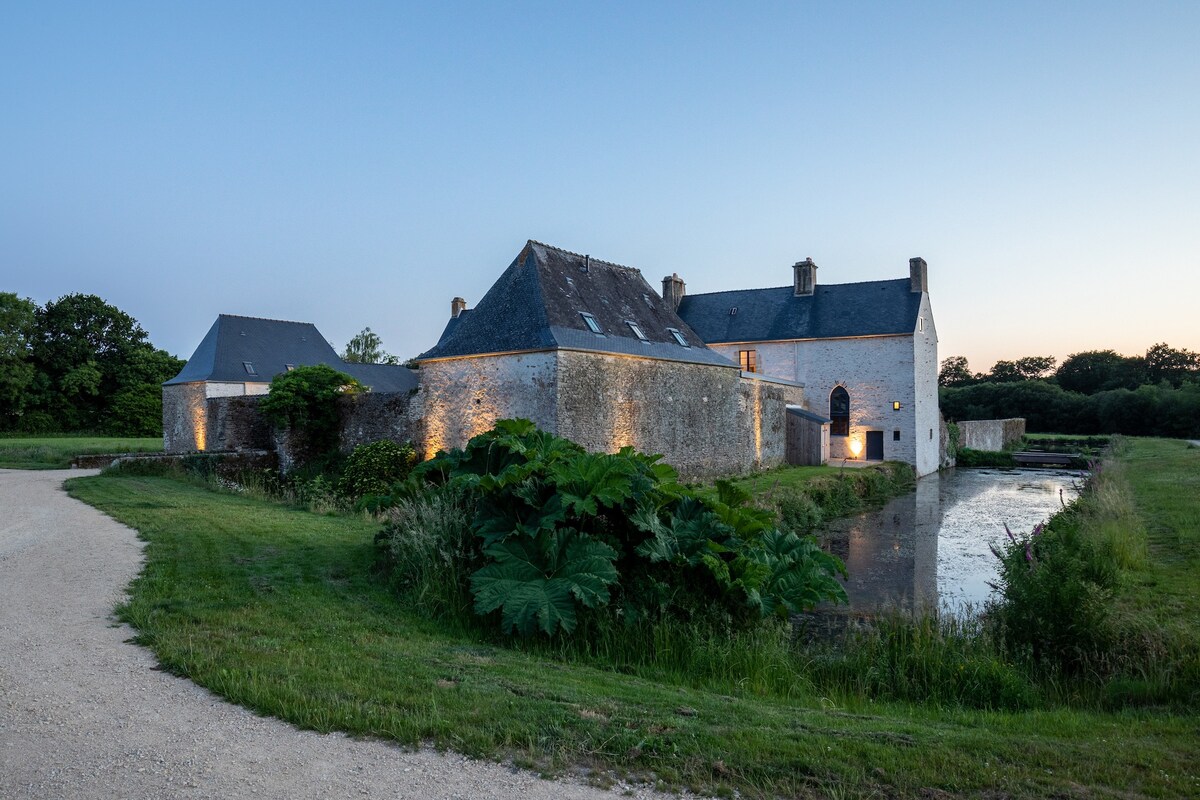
<point>249,365</point>
<point>590,321</point>
<point>633,326</point>
<point>289,367</point>
<point>678,337</point>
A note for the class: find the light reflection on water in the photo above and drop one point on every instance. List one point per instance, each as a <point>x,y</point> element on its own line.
<point>931,547</point>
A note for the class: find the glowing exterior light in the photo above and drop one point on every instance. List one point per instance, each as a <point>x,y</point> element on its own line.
<point>855,447</point>
<point>895,405</point>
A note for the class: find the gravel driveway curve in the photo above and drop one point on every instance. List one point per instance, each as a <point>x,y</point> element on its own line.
<point>84,714</point>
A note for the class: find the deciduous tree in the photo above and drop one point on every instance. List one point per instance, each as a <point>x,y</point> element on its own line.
<point>16,369</point>
<point>955,372</point>
<point>367,348</point>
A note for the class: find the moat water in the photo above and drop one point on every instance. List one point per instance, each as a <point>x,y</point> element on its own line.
<point>932,548</point>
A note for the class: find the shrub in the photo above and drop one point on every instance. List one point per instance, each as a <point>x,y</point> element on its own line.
<point>1056,585</point>
<point>372,469</point>
<point>797,511</point>
<point>304,401</point>
<point>562,533</point>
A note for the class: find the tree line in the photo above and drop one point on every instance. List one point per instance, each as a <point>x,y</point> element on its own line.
<point>1093,392</point>
<point>79,365</point>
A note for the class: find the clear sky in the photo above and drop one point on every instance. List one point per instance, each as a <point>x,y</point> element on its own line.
<point>358,163</point>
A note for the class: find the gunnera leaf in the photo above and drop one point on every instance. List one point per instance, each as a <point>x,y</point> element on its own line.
<point>536,581</point>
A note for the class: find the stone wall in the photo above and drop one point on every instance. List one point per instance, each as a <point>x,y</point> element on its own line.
<point>464,397</point>
<point>946,454</point>
<point>705,420</point>
<point>990,434</point>
<point>372,417</point>
<point>235,423</point>
<point>184,426</point>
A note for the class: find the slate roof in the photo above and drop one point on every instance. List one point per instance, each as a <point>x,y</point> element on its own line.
<point>873,308</point>
<point>537,304</point>
<point>270,345</point>
<point>804,413</point>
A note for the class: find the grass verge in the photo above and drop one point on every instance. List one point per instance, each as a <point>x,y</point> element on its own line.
<point>57,452</point>
<point>275,608</point>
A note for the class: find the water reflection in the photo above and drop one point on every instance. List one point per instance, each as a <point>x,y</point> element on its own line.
<point>931,547</point>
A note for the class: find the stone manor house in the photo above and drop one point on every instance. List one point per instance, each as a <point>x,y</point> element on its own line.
<point>719,383</point>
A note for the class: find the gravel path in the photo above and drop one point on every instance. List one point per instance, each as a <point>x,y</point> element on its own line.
<point>84,714</point>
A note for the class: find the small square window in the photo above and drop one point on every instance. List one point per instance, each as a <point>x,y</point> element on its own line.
<point>249,365</point>
<point>593,326</point>
<point>895,436</point>
<point>678,337</point>
<point>633,326</point>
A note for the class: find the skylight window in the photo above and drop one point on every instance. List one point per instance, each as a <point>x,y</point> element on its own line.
<point>733,311</point>
<point>678,337</point>
<point>593,326</point>
<point>249,365</point>
<point>633,326</point>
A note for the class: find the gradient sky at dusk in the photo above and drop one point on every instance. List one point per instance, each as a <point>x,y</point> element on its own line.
<point>354,164</point>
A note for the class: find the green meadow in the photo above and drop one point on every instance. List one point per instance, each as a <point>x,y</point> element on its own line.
<point>281,609</point>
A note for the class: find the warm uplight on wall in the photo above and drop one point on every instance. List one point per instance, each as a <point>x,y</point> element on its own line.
<point>895,405</point>
<point>855,447</point>
<point>199,425</point>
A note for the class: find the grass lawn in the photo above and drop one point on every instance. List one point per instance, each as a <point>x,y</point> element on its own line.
<point>276,608</point>
<point>56,452</point>
<point>1165,477</point>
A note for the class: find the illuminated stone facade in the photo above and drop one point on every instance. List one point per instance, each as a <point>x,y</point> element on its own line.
<point>704,419</point>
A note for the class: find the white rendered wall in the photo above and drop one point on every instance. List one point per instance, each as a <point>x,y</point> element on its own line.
<point>925,378</point>
<point>876,371</point>
<point>215,389</point>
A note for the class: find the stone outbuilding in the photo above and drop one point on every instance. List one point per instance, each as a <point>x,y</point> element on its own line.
<point>589,351</point>
<point>239,356</point>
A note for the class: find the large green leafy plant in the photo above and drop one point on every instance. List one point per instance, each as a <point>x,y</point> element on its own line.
<point>562,532</point>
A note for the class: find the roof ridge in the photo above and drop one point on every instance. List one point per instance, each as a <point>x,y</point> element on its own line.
<point>818,286</point>
<point>266,319</point>
<point>592,258</point>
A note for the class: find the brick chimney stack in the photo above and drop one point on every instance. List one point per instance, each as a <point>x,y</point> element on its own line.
<point>673,291</point>
<point>457,306</point>
<point>805,274</point>
<point>918,274</point>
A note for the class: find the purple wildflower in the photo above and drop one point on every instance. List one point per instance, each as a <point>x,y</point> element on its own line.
<point>1011,538</point>
<point>1037,529</point>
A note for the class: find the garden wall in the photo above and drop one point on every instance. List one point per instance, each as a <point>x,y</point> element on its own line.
<point>990,434</point>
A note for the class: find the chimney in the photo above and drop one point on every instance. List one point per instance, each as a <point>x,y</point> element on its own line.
<point>918,275</point>
<point>457,306</point>
<point>805,277</point>
<point>673,291</point>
